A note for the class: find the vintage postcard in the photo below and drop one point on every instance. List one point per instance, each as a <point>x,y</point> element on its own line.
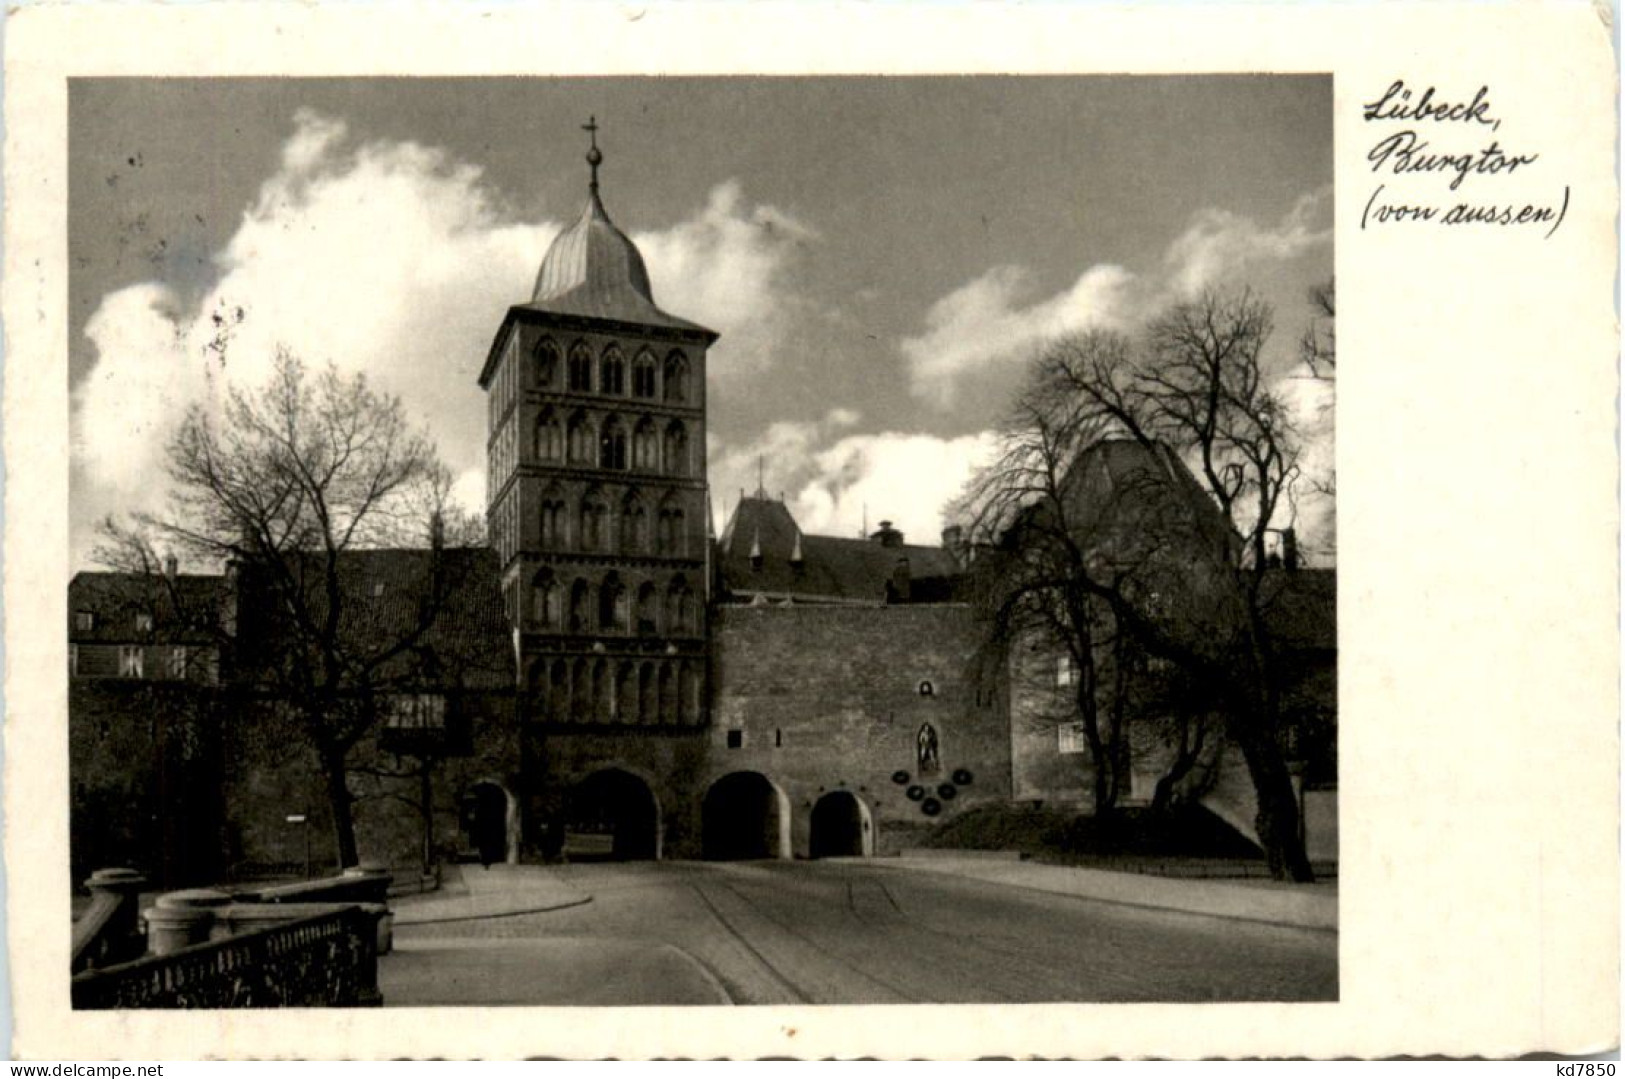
<point>852,531</point>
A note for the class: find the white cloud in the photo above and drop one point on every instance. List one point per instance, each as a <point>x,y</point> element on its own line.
<point>831,480</point>
<point>993,320</point>
<point>985,321</point>
<point>1219,243</point>
<point>389,258</point>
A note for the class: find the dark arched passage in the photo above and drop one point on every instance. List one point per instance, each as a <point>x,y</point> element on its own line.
<point>745,816</point>
<point>612,815</point>
<point>840,827</point>
<point>486,819</point>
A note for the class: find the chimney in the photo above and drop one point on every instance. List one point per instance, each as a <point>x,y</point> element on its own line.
<point>953,541</point>
<point>887,536</point>
<point>172,566</point>
<point>1289,548</point>
<point>897,589</point>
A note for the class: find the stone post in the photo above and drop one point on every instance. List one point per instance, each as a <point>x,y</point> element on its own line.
<point>181,919</point>
<point>118,937</point>
<point>371,885</point>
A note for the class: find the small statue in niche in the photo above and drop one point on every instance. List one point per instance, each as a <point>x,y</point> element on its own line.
<point>926,749</point>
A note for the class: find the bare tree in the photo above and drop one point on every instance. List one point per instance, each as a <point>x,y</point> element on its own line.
<point>1318,345</point>
<point>1178,556</point>
<point>281,488</point>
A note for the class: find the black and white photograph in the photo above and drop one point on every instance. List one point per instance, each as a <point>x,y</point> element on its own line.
<point>702,541</point>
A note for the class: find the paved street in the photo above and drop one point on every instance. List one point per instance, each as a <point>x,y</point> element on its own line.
<point>844,933</point>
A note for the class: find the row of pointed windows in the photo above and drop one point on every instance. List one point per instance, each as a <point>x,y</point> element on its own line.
<point>584,441</point>
<point>611,607</point>
<point>592,528</point>
<point>624,691</point>
<point>608,372</point>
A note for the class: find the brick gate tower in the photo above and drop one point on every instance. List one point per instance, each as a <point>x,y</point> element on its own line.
<point>597,511</point>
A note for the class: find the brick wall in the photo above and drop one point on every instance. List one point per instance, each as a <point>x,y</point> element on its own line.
<point>829,699</point>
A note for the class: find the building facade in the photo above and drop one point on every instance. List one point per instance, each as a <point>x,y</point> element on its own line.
<point>630,684</point>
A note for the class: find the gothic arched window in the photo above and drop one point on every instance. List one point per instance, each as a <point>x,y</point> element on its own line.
<point>648,601</point>
<point>673,535</point>
<point>580,600</point>
<point>553,521</point>
<point>626,693</point>
<point>668,694</point>
<point>687,694</point>
<point>545,362</point>
<point>612,445</point>
<point>679,607</point>
<point>634,525</point>
<point>558,690</point>
<point>581,438</point>
<point>645,446</point>
<point>643,375</point>
<point>580,368</point>
<point>549,437</point>
<point>677,448</point>
<point>647,705</point>
<point>612,605</point>
<point>676,377</point>
<point>594,517</point>
<point>544,599</point>
<point>612,372</point>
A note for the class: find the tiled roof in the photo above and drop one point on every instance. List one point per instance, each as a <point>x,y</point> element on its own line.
<point>389,598</point>
<point>181,608</point>
<point>830,569</point>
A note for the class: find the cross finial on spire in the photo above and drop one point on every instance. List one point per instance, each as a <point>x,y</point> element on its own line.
<point>594,156</point>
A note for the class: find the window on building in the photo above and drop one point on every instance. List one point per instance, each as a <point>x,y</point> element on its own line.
<point>580,599</point>
<point>415,712</point>
<point>645,446</point>
<point>73,661</point>
<point>1066,671</point>
<point>580,368</point>
<point>677,449</point>
<point>646,608</point>
<point>612,445</point>
<point>676,378</point>
<point>612,372</point>
<point>680,607</point>
<point>143,622</point>
<point>673,538</point>
<point>84,621</point>
<point>1070,738</point>
<point>177,662</point>
<point>552,521</point>
<point>612,605</point>
<point>582,439</point>
<point>643,375</point>
<point>544,599</point>
<point>593,519</point>
<point>549,437</point>
<point>736,739</point>
<point>130,661</point>
<point>634,525</point>
<point>546,357</point>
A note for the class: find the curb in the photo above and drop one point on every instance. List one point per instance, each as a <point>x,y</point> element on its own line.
<point>1241,902</point>
<point>406,920</point>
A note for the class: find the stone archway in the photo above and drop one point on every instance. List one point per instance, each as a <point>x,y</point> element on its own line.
<point>841,827</point>
<point>612,815</point>
<point>745,815</point>
<point>490,819</point>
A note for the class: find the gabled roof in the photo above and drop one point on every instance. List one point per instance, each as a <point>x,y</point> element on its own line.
<point>830,569</point>
<point>180,607</point>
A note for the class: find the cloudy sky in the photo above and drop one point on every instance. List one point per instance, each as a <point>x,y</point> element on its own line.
<point>880,255</point>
